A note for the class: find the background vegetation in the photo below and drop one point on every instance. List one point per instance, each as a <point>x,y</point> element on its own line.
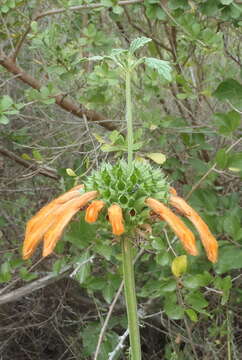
<point>58,113</point>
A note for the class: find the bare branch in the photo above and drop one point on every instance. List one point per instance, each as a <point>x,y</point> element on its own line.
<point>46,171</point>
<point>33,286</point>
<point>61,100</point>
<point>83,7</point>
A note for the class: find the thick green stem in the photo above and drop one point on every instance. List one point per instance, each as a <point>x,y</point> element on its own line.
<point>130,297</point>
<point>129,119</point>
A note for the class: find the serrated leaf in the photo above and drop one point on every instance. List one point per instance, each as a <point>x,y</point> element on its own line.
<point>179,265</point>
<point>116,52</point>
<point>158,158</point>
<point>163,67</point>
<point>138,43</point>
<point>70,172</point>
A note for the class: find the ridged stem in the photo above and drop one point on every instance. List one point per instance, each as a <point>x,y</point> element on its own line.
<point>130,137</point>
<point>130,297</point>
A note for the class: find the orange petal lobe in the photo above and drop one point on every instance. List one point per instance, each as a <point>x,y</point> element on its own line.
<point>116,219</point>
<point>45,218</point>
<point>93,211</point>
<point>62,218</point>
<point>180,229</point>
<point>208,240</point>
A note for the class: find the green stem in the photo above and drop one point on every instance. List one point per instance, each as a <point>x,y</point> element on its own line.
<point>129,119</point>
<point>130,297</point>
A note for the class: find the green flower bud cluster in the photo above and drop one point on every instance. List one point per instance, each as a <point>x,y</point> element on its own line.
<point>116,184</point>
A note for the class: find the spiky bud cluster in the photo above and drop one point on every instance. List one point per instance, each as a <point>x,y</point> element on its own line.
<point>116,184</point>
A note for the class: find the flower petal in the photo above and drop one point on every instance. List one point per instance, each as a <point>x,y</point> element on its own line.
<point>35,222</point>
<point>116,219</point>
<point>62,218</point>
<point>93,210</point>
<point>209,242</point>
<point>184,234</point>
<point>45,217</point>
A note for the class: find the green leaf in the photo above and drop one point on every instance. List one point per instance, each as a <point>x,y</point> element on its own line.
<point>230,90</point>
<point>235,161</point>
<point>5,272</point>
<point>163,67</point>
<point>96,58</point>
<point>26,275</point>
<point>163,258</point>
<point>221,158</point>
<point>4,120</point>
<point>227,122</point>
<point>99,138</point>
<point>85,268</point>
<point>197,280</point>
<point>197,301</point>
<point>118,10</point>
<point>226,2</point>
<point>174,311</point>
<point>71,172</point>
<point>230,257</point>
<point>179,265</point>
<point>158,158</point>
<point>37,155</point>
<point>5,103</point>
<point>225,285</point>
<point>34,26</point>
<point>138,43</point>
<point>192,314</point>
<point>58,265</point>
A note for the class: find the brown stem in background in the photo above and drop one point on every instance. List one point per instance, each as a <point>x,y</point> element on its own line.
<point>66,104</point>
<point>46,171</point>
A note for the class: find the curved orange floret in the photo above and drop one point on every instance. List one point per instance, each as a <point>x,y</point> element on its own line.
<point>116,219</point>
<point>93,211</point>
<point>208,240</point>
<point>37,220</point>
<point>50,214</point>
<point>184,234</point>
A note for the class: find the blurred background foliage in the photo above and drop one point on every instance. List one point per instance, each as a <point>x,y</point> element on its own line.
<point>58,112</point>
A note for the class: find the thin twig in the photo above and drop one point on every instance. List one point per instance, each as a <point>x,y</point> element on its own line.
<point>209,171</point>
<point>83,7</point>
<point>119,346</point>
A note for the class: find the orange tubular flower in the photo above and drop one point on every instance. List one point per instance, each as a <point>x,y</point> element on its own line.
<point>51,220</point>
<point>185,235</point>
<point>116,219</point>
<point>93,211</point>
<point>209,242</point>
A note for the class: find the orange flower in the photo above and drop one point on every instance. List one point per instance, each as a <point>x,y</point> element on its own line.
<point>93,210</point>
<point>116,219</point>
<point>51,220</point>
<point>209,242</point>
<point>185,235</point>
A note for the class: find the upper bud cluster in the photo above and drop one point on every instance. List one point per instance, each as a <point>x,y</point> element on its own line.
<point>116,184</point>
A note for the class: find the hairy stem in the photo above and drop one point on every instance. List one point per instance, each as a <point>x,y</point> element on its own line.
<point>129,119</point>
<point>130,297</point>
